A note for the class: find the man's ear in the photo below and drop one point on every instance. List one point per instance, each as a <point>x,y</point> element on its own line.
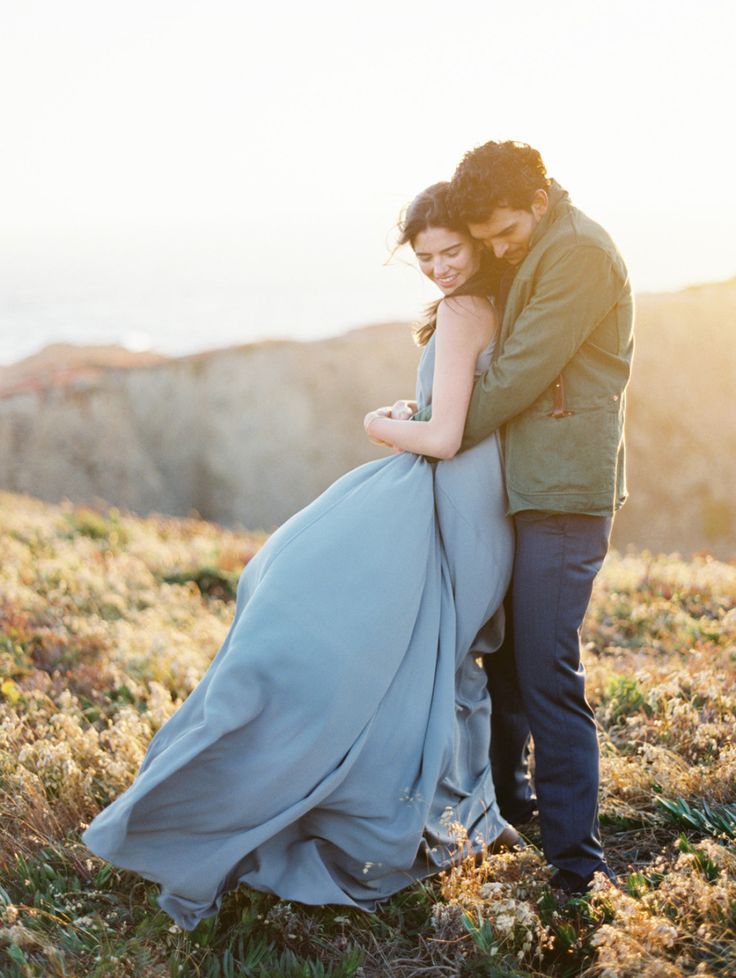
<point>540,203</point>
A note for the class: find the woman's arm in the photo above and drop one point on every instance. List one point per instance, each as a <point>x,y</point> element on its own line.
<point>465,325</point>
<point>403,410</point>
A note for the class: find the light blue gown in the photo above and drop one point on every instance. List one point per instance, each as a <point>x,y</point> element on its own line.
<point>344,723</point>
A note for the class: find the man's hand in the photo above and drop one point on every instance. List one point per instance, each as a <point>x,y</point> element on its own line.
<point>403,410</point>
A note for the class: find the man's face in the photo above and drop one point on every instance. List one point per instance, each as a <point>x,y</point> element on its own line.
<point>508,232</point>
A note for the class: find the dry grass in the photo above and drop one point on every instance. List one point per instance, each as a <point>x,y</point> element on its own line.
<point>106,623</point>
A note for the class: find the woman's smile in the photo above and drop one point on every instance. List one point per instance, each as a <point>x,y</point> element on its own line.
<point>446,281</point>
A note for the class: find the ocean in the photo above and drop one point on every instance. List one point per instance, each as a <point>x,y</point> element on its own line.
<point>181,295</point>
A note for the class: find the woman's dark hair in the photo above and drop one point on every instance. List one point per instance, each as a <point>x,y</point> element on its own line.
<point>496,175</point>
<point>429,209</point>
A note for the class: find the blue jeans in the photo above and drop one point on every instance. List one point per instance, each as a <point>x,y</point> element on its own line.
<point>537,684</point>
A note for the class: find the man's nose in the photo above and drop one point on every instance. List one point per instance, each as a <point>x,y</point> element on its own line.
<point>500,248</point>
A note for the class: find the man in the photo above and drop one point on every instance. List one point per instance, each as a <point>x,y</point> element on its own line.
<point>556,389</point>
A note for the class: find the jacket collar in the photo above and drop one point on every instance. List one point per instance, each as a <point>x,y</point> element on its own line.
<point>558,199</point>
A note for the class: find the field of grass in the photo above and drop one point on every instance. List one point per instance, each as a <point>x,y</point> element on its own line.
<point>106,623</point>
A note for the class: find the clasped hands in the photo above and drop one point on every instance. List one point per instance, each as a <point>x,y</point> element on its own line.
<point>400,411</point>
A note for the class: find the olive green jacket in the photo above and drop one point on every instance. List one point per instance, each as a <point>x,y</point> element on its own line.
<point>569,312</point>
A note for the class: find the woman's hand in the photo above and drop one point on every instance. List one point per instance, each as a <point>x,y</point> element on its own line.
<point>382,412</point>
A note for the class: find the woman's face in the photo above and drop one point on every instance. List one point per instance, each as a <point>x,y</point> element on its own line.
<point>448,258</point>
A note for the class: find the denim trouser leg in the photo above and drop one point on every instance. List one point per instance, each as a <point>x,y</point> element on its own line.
<point>557,558</point>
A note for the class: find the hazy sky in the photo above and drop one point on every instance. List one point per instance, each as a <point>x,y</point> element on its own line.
<point>279,141</point>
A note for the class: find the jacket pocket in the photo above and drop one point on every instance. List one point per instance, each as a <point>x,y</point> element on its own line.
<point>572,454</point>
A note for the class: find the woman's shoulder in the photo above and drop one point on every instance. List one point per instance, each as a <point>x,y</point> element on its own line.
<point>473,313</point>
<point>474,307</point>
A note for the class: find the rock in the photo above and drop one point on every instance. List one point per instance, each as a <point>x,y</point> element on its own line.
<point>247,434</point>
<point>250,434</point>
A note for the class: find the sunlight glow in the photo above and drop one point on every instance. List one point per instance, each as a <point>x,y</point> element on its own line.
<point>277,145</point>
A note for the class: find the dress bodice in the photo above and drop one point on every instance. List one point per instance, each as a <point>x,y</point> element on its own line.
<point>425,371</point>
<point>485,356</point>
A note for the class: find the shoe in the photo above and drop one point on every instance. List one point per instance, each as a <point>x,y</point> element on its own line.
<point>508,841</point>
<point>568,885</point>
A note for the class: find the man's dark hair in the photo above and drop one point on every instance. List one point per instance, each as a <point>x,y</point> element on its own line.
<point>496,175</point>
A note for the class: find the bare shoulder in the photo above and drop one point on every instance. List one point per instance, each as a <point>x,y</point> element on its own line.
<point>473,314</point>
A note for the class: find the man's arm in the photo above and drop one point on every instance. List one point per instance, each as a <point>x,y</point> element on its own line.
<point>571,299</point>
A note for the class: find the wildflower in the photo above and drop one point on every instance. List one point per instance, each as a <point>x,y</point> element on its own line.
<point>10,914</point>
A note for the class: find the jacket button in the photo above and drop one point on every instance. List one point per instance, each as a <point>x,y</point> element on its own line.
<point>615,397</point>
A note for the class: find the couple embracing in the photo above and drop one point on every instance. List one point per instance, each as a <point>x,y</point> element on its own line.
<point>396,643</point>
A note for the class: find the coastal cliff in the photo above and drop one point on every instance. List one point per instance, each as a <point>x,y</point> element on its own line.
<point>248,435</point>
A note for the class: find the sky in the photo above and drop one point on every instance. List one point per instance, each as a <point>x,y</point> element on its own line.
<point>190,172</point>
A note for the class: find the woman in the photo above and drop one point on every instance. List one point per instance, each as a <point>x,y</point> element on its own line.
<point>343,725</point>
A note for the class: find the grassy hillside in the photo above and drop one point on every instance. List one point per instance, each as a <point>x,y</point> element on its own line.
<point>681,426</point>
<point>106,623</point>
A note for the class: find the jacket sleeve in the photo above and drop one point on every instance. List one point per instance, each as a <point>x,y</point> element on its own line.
<point>570,299</point>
